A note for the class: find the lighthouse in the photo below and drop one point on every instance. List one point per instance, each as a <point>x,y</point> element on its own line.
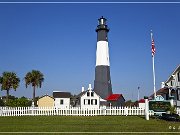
<point>102,82</point>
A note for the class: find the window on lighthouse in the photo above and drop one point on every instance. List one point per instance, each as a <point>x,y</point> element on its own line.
<point>102,21</point>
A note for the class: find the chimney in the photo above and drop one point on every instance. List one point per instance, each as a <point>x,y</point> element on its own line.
<point>90,88</point>
<point>162,84</point>
<point>82,89</point>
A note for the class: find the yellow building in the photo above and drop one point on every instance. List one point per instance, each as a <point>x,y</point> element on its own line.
<point>46,101</point>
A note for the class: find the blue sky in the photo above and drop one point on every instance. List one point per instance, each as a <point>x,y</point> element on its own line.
<point>60,41</point>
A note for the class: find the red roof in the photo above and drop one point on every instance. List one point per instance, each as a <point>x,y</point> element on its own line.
<point>141,101</point>
<point>113,97</point>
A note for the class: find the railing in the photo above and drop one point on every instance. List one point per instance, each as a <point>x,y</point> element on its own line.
<point>177,103</point>
<point>176,84</point>
<point>37,111</point>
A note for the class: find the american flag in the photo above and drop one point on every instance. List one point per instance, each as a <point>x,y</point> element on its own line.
<point>153,47</point>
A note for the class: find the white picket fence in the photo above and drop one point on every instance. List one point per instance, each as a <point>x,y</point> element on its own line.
<point>38,111</point>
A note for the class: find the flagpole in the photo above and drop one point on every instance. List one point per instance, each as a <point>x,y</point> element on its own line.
<point>154,79</point>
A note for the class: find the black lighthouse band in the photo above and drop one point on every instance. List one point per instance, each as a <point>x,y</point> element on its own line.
<point>102,29</point>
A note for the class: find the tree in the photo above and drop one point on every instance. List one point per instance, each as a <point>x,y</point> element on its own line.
<point>35,79</point>
<point>9,80</point>
<point>22,102</point>
<point>1,80</point>
<point>129,103</point>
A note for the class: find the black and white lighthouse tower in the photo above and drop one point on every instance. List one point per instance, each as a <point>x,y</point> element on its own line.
<point>102,82</point>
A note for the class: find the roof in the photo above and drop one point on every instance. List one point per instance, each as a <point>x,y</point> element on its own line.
<point>61,94</point>
<point>80,94</point>
<point>164,90</point>
<point>114,97</point>
<point>141,101</point>
<point>161,91</point>
<point>46,96</point>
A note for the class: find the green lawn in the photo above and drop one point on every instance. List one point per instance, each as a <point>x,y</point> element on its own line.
<point>85,124</point>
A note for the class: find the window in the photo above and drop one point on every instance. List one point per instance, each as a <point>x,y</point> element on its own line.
<point>171,83</point>
<point>61,102</point>
<point>178,75</point>
<point>88,94</point>
<point>95,101</point>
<point>91,101</point>
<point>92,94</point>
<point>178,94</point>
<point>86,101</point>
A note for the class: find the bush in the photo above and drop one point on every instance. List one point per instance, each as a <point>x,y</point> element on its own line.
<point>18,102</point>
<point>2,102</point>
<point>172,109</point>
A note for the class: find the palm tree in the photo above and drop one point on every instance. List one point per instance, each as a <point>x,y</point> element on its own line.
<point>8,81</point>
<point>35,79</point>
<point>1,80</point>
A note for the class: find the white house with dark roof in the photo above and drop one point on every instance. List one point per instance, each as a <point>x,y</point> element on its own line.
<point>61,99</point>
<point>88,99</point>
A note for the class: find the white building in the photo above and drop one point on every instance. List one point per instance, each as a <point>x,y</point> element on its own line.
<point>171,87</point>
<point>174,79</point>
<point>141,103</point>
<point>61,99</point>
<point>88,99</point>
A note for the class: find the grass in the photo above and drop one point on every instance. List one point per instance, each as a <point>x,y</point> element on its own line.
<point>85,124</point>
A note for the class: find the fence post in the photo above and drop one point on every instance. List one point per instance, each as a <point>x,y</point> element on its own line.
<point>171,101</point>
<point>146,108</point>
<point>1,111</point>
<point>178,111</point>
<point>126,110</point>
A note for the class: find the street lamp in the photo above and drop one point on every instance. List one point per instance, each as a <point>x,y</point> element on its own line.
<point>138,92</point>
